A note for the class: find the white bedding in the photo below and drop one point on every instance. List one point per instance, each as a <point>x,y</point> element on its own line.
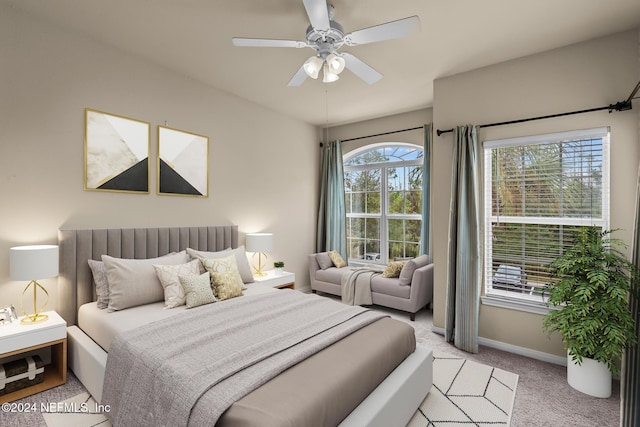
<point>102,326</point>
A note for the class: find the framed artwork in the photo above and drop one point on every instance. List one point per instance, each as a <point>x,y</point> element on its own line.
<point>183,163</point>
<point>116,153</point>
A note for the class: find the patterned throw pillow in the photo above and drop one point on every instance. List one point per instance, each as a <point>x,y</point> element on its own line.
<point>393,269</point>
<point>241,259</point>
<point>337,259</point>
<point>100,279</point>
<point>225,277</point>
<point>197,289</point>
<point>169,276</point>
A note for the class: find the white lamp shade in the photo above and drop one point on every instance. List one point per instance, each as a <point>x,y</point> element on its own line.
<point>259,242</point>
<point>312,66</point>
<point>328,75</point>
<point>33,262</point>
<point>336,63</point>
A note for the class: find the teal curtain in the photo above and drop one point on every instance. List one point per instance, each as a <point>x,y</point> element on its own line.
<point>332,214</point>
<point>630,389</point>
<point>464,262</point>
<point>425,238</point>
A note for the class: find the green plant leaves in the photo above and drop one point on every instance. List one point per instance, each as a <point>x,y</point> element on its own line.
<point>594,280</point>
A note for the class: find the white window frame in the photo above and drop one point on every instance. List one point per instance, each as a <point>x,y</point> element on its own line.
<point>522,301</point>
<point>384,216</point>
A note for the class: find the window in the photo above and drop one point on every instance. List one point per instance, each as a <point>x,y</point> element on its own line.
<point>383,192</point>
<point>538,191</point>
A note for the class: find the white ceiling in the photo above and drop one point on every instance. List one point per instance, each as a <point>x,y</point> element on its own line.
<point>193,37</point>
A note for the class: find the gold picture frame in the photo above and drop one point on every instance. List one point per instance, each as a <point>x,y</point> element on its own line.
<point>183,163</point>
<point>116,153</point>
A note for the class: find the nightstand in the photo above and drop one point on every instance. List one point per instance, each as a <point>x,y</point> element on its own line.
<point>282,280</point>
<point>16,339</point>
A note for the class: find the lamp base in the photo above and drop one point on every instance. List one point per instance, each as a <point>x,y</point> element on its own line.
<point>257,270</point>
<point>37,316</point>
<point>30,319</point>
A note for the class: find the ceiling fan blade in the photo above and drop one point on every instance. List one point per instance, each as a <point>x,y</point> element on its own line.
<point>360,69</point>
<point>386,31</point>
<point>318,12</point>
<point>298,78</point>
<point>243,42</point>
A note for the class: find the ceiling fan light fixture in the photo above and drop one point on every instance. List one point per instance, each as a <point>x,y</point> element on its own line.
<point>336,63</point>
<point>328,75</point>
<point>312,66</point>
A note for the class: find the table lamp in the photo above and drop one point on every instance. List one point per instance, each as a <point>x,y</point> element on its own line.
<point>259,243</point>
<point>33,263</point>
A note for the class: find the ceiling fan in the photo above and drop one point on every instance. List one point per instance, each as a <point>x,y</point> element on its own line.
<point>326,36</point>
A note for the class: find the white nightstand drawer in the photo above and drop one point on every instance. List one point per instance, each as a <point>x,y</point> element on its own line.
<point>16,336</point>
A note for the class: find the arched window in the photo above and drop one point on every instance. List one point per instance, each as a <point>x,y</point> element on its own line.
<point>383,191</point>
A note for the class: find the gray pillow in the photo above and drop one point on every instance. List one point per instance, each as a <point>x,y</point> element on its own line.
<point>134,282</point>
<point>241,259</point>
<point>406,275</point>
<point>323,260</point>
<point>102,284</point>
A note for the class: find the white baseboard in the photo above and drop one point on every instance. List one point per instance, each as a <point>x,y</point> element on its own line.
<point>510,348</point>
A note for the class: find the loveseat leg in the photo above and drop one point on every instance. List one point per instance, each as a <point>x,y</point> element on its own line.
<point>412,316</point>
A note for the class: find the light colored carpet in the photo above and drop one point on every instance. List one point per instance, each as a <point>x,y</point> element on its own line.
<point>463,393</point>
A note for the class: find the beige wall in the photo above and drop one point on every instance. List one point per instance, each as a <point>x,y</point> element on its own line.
<point>381,125</point>
<point>48,75</point>
<point>586,75</point>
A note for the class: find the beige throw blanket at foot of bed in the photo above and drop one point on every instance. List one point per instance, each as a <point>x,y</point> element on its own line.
<point>356,285</point>
<point>188,369</point>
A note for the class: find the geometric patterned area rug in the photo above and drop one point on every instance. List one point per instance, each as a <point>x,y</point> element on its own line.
<point>77,411</point>
<point>466,393</point>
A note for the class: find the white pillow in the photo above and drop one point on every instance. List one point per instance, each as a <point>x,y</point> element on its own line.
<point>134,282</point>
<point>241,259</point>
<point>169,276</point>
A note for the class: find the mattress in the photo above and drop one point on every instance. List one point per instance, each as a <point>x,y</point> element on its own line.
<point>321,390</point>
<point>102,326</point>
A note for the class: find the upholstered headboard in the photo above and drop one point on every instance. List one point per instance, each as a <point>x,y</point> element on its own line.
<point>75,282</point>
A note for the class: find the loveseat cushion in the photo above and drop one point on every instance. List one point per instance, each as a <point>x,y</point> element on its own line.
<point>406,275</point>
<point>389,286</point>
<point>331,275</point>
<point>324,261</point>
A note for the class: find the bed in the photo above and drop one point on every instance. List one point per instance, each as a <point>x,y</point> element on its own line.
<point>352,382</point>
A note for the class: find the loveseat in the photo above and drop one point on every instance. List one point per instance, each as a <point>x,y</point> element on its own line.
<point>410,292</point>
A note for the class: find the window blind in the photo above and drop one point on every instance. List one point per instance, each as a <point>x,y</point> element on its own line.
<point>539,191</point>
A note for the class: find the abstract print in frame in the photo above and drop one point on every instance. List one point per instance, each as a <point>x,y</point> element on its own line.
<point>183,160</point>
<point>116,153</point>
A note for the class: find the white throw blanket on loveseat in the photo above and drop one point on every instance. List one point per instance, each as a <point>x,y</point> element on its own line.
<point>356,285</point>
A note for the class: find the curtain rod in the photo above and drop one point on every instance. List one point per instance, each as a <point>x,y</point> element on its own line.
<point>619,106</point>
<point>380,134</point>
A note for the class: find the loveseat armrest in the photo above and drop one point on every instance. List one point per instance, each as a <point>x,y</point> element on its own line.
<point>313,267</point>
<point>422,286</point>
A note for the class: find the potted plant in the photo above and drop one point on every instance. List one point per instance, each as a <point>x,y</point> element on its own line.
<point>592,313</point>
<point>278,266</point>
